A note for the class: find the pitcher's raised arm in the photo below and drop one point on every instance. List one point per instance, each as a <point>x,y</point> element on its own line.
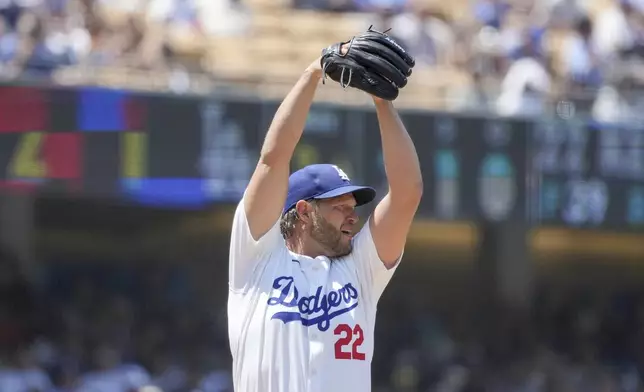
<point>261,207</point>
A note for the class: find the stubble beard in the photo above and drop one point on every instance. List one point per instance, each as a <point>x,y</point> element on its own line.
<point>329,237</point>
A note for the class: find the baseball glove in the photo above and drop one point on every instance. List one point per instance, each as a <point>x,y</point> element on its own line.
<point>373,63</point>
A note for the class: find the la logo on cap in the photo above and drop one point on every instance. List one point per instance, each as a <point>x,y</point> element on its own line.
<point>342,174</point>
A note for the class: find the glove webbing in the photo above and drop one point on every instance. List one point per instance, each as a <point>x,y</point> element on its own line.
<point>342,84</point>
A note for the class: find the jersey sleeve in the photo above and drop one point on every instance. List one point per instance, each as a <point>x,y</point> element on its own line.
<point>372,271</point>
<point>247,254</point>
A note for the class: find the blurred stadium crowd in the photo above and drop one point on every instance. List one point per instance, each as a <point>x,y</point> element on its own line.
<point>91,328</point>
<point>509,56</point>
<point>40,36</point>
<point>111,328</point>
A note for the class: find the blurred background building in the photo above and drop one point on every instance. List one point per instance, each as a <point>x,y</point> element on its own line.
<point>129,129</point>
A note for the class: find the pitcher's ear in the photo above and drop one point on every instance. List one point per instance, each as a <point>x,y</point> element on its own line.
<point>304,209</point>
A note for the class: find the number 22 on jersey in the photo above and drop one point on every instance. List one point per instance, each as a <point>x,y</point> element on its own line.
<point>346,334</point>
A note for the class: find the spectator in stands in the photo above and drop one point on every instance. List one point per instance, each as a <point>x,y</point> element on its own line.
<point>494,47</point>
<point>180,29</point>
<point>581,60</point>
<point>23,374</point>
<point>614,30</point>
<point>12,10</point>
<point>527,83</point>
<point>225,18</point>
<point>8,44</point>
<point>617,101</point>
<point>491,12</point>
<point>173,28</point>
<point>561,14</point>
<point>111,373</point>
<point>51,44</point>
<point>427,33</point>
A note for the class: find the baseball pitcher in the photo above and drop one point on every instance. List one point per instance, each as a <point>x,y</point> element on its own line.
<point>304,283</point>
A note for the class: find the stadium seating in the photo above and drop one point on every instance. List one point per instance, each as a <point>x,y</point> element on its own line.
<point>283,41</point>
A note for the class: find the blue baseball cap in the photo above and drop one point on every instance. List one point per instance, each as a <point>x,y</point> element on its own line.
<point>324,181</point>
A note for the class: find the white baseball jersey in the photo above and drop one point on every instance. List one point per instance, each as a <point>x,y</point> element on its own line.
<point>301,324</point>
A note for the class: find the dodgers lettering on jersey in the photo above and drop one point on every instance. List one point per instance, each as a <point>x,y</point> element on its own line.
<point>315,310</point>
<point>298,323</point>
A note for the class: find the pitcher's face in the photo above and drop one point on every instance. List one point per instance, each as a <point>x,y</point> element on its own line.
<point>333,224</point>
